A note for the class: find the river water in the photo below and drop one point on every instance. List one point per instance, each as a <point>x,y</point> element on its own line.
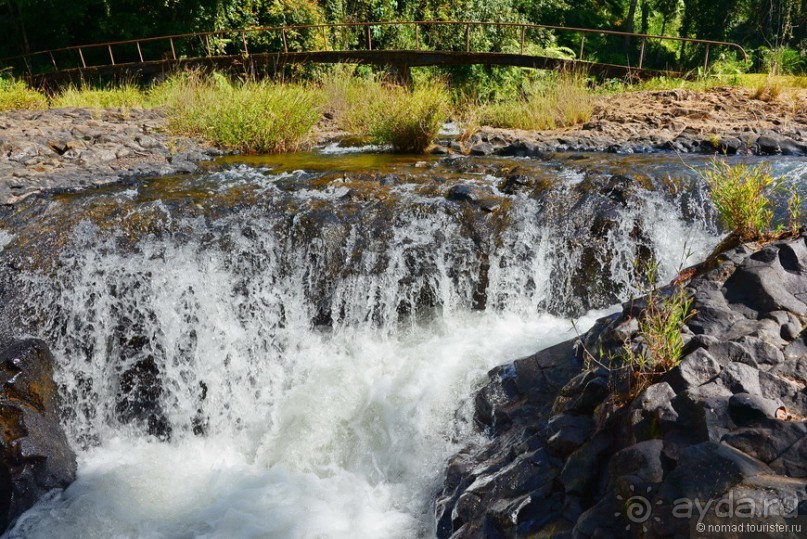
<point>288,346</point>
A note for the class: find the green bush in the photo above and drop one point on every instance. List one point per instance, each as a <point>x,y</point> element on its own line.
<point>16,95</point>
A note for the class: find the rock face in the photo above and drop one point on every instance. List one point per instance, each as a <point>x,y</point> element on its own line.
<point>35,456</point>
<point>726,427</point>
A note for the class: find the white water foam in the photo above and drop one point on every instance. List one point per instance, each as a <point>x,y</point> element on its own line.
<point>352,446</point>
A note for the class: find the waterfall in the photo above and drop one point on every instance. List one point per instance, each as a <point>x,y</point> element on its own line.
<point>254,354</point>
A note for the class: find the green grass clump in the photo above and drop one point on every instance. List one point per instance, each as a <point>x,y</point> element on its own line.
<point>16,95</point>
<point>741,195</point>
<point>262,117</point>
<point>125,96</point>
<point>560,102</point>
<point>660,326</point>
<point>409,120</point>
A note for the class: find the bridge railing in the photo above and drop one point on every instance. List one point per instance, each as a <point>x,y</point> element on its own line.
<point>457,36</point>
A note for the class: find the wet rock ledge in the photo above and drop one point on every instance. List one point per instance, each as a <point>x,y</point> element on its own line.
<point>73,149</point>
<point>563,459</point>
<point>35,456</point>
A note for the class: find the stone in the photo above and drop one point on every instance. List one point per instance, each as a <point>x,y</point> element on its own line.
<point>767,439</point>
<point>568,432</point>
<point>741,378</point>
<point>642,460</point>
<point>747,410</point>
<point>138,398</point>
<point>652,411</point>
<point>35,456</point>
<point>694,370</point>
<point>482,149</point>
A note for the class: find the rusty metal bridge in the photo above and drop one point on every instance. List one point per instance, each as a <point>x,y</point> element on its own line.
<point>405,44</point>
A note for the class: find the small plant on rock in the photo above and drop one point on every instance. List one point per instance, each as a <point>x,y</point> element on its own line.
<point>659,343</point>
<point>794,210</point>
<point>741,195</point>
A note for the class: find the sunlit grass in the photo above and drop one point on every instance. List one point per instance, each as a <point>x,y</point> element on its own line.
<point>17,95</point>
<point>263,117</point>
<point>560,101</point>
<point>125,95</point>
<point>409,120</point>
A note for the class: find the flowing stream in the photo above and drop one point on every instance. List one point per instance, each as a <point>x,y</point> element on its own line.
<point>289,346</point>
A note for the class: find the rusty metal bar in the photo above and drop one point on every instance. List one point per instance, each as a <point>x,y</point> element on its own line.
<point>173,50</point>
<point>467,38</point>
<point>706,60</point>
<point>111,57</point>
<point>53,61</point>
<point>641,53</point>
<point>139,52</point>
<point>369,39</point>
<point>582,45</point>
<point>81,55</point>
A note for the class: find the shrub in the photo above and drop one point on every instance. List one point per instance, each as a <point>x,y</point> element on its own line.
<point>16,95</point>
<point>740,194</point>
<point>408,120</point>
<point>261,116</point>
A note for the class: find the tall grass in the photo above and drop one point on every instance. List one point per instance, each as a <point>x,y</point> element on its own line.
<point>262,117</point>
<point>409,120</point>
<point>741,195</point>
<point>404,118</point>
<point>350,98</point>
<point>561,101</point>
<point>125,95</point>
<point>16,95</point>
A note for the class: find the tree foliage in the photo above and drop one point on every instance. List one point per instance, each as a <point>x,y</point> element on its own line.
<point>30,25</point>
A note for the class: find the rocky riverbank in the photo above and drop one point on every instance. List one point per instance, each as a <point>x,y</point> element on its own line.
<point>725,120</point>
<point>723,431</point>
<point>74,149</point>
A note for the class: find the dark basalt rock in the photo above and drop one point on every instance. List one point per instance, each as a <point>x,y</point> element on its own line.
<point>35,456</point>
<point>138,399</point>
<point>727,423</point>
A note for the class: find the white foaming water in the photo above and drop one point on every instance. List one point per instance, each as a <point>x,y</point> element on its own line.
<point>335,148</point>
<point>353,447</point>
<point>339,429</point>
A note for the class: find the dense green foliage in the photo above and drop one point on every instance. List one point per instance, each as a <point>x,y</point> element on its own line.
<point>775,30</point>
